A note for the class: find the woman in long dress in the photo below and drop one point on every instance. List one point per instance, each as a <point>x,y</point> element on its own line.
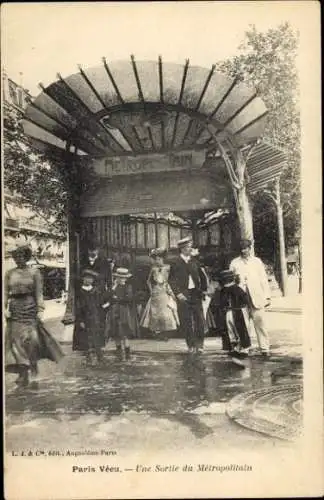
<point>160,314</point>
<point>27,340</point>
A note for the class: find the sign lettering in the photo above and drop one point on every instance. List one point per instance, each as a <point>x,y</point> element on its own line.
<point>128,165</point>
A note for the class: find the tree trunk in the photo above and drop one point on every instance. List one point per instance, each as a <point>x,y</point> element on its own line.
<point>244,212</point>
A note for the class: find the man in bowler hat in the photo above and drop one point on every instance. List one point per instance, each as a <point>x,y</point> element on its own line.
<point>189,283</point>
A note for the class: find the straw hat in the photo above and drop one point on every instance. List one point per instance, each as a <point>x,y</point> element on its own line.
<point>184,242</point>
<point>122,272</point>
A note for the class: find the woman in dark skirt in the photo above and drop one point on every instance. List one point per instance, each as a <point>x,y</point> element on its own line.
<point>27,340</point>
<point>234,303</point>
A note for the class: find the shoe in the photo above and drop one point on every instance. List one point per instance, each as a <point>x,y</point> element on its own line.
<point>237,359</point>
<point>33,382</point>
<point>199,350</point>
<point>127,353</point>
<point>100,357</point>
<point>241,355</point>
<point>266,355</point>
<point>23,379</point>
<point>191,350</point>
<point>19,380</point>
<point>34,371</point>
<point>88,358</point>
<point>119,353</point>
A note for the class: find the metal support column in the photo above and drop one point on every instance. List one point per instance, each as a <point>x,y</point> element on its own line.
<point>69,315</point>
<point>281,237</point>
<point>73,269</point>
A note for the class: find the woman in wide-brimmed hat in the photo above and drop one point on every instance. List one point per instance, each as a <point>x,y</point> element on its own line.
<point>27,340</point>
<point>160,314</point>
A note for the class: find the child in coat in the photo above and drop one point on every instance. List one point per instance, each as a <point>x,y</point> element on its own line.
<point>120,300</point>
<point>88,335</point>
<point>234,303</point>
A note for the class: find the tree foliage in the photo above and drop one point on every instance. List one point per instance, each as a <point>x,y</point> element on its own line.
<point>45,185</point>
<point>267,60</point>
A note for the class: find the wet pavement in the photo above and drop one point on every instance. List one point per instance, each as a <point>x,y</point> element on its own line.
<point>162,397</point>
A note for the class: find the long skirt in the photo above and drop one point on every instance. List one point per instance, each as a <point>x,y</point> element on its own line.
<point>237,327</point>
<point>122,321</point>
<point>26,343</point>
<point>208,315</point>
<point>160,313</point>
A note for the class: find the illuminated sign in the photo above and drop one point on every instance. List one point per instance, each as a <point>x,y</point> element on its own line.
<point>128,165</point>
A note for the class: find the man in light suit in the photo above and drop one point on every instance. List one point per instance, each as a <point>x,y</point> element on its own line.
<point>189,283</point>
<point>254,281</point>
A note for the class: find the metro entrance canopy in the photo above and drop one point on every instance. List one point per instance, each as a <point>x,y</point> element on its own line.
<point>136,109</point>
<point>130,108</point>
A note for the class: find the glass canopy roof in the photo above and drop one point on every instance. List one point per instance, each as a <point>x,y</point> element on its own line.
<point>146,107</point>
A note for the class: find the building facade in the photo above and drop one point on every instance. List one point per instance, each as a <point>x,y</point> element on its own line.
<point>19,221</point>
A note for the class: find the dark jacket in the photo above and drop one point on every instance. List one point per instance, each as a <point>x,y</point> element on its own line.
<point>122,311</point>
<point>91,314</point>
<point>233,298</point>
<point>101,266</point>
<point>179,276</point>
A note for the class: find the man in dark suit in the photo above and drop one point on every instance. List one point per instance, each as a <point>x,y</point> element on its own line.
<point>103,268</point>
<point>99,265</point>
<point>188,282</point>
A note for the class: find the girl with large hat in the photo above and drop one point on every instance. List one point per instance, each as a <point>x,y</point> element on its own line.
<point>122,318</point>
<point>27,340</point>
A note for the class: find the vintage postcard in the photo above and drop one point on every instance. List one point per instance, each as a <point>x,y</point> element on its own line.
<point>161,230</point>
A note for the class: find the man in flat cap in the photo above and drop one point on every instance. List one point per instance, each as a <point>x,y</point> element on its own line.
<point>188,283</point>
<point>254,280</point>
